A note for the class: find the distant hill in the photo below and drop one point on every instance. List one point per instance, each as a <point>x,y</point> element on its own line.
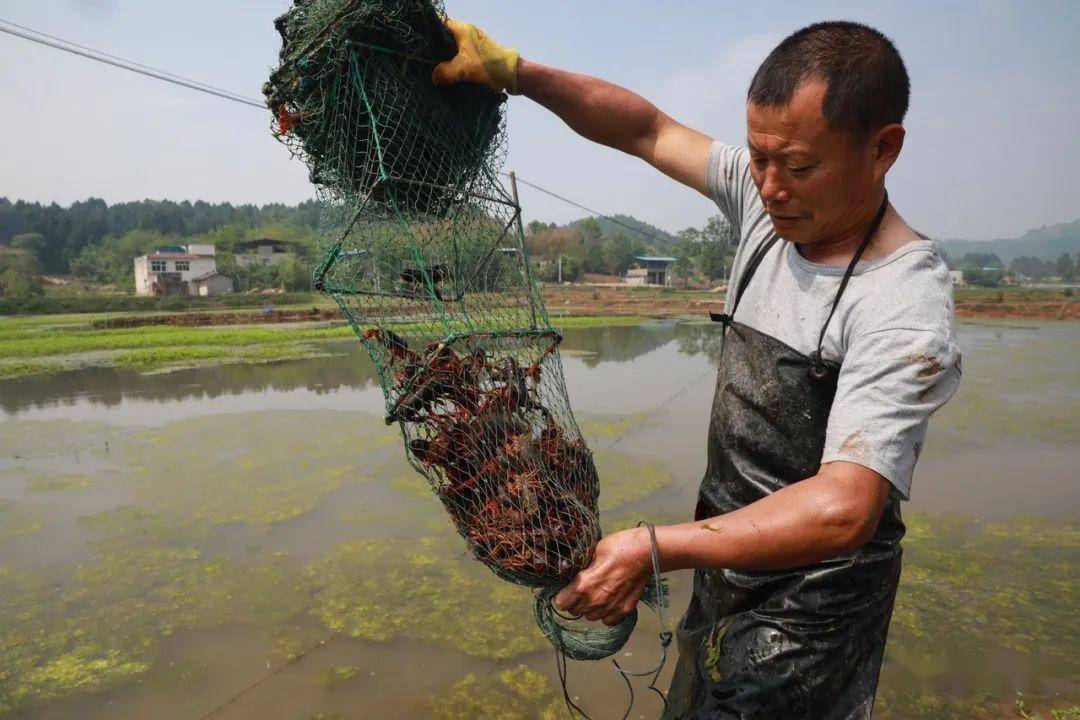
<point>637,228</point>
<point>1045,243</point>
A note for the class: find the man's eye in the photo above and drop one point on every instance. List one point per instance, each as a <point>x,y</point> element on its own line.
<point>798,170</point>
<point>759,162</point>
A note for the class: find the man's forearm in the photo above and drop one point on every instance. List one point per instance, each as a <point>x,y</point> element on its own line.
<point>596,109</point>
<point>830,514</point>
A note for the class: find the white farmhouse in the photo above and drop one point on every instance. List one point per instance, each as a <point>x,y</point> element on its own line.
<point>264,252</point>
<point>180,270</point>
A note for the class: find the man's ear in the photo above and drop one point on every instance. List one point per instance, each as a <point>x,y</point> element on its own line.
<point>888,142</point>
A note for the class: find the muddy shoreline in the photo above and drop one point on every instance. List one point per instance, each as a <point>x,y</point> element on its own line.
<point>576,300</point>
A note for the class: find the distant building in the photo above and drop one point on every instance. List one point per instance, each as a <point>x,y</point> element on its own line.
<point>957,277</point>
<point>180,270</point>
<point>263,252</point>
<point>210,284</point>
<point>650,270</point>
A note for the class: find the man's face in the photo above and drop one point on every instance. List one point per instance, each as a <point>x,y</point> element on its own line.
<point>815,183</point>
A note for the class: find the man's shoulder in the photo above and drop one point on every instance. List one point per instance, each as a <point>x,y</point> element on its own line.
<point>910,288</point>
<point>731,186</point>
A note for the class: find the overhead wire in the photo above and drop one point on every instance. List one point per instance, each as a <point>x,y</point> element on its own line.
<point>597,213</point>
<point>59,43</point>
<point>6,26</point>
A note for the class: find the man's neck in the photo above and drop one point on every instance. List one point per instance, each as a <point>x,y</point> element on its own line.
<point>839,249</point>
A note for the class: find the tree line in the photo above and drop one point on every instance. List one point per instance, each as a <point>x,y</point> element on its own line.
<point>702,255</point>
<point>989,270</point>
<point>96,242</point>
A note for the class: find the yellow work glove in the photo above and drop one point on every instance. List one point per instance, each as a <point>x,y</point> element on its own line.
<point>479,60</point>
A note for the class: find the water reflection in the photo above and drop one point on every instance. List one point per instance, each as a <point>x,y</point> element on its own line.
<point>348,369</point>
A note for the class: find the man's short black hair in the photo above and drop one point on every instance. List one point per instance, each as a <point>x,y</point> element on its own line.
<point>866,83</point>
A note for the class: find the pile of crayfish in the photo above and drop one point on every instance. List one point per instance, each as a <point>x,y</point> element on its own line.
<point>521,492</point>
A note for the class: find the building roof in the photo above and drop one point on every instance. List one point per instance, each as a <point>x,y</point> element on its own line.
<point>207,276</point>
<point>264,241</point>
<point>655,258</point>
<point>176,256</point>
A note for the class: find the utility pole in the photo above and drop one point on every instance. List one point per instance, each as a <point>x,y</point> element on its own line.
<point>521,240</point>
<point>560,268</point>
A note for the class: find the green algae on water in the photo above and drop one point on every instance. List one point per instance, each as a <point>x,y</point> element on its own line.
<point>610,426</point>
<point>625,478</point>
<point>336,674</point>
<point>977,588</point>
<point>17,520</point>
<point>95,626</point>
<point>516,694</point>
<point>238,475</point>
<point>426,589</point>
<point>59,483</point>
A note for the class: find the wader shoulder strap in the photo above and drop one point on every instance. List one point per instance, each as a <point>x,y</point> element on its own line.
<point>818,370</point>
<point>744,281</point>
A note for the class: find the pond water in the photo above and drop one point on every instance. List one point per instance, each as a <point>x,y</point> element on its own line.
<point>248,541</point>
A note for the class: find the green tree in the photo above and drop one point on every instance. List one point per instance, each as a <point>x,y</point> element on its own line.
<point>684,264</point>
<point>981,260</point>
<point>592,260</point>
<point>718,230</point>
<point>1065,267</point>
<point>989,277</point>
<point>33,243</point>
<point>1028,266</point>
<point>590,230</point>
<point>294,274</point>
<point>712,260</point>
<point>20,274</point>
<point>619,252</point>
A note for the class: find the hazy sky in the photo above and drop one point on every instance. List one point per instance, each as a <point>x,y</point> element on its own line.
<point>993,144</point>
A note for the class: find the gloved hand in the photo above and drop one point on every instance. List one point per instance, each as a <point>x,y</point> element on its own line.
<point>479,60</point>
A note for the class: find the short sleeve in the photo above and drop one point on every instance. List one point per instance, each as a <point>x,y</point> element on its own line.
<point>731,186</point>
<point>891,382</point>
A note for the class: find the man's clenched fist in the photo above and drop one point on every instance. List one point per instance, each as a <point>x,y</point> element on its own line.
<point>479,60</point>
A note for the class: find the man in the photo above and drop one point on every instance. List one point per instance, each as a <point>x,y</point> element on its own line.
<point>838,345</point>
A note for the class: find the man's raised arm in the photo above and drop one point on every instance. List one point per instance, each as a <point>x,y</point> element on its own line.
<point>595,109</point>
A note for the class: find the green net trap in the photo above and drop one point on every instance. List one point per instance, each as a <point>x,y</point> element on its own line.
<point>425,256</point>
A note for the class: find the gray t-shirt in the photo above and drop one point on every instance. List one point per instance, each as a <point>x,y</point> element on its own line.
<point>892,332</point>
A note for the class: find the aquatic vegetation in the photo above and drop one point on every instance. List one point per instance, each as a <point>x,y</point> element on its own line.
<point>525,682</point>
<point>1006,397</point>
<point>16,520</point>
<point>59,483</point>
<point>970,588</point>
<point>48,344</point>
<point>424,589</point>
<point>609,426</point>
<point>355,514</point>
<point>625,478</point>
<point>237,476</point>
<point>1067,713</point>
<point>21,368</point>
<point>96,625</point>
<point>334,674</point>
<point>516,694</point>
<point>893,704</point>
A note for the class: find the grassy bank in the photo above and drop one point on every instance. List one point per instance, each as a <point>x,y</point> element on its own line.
<point>31,345</point>
<point>66,304</point>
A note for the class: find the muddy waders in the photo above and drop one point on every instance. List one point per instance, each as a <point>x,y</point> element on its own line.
<point>805,643</point>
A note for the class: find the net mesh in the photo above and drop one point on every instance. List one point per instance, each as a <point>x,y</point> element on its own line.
<point>424,254</point>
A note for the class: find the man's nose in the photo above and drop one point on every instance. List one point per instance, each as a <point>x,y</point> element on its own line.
<point>772,189</point>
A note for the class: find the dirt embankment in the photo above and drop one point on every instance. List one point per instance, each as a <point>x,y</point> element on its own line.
<point>600,301</point>
<point>1033,309</point>
<point>232,318</point>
